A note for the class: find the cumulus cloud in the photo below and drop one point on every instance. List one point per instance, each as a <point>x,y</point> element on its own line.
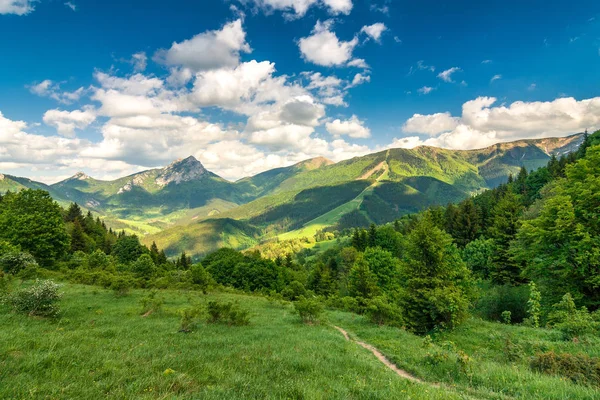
<point>482,124</point>
<point>209,50</point>
<point>324,48</point>
<point>51,89</point>
<point>66,122</point>
<point>374,31</point>
<point>432,125</point>
<point>18,7</point>
<point>297,8</point>
<point>446,75</point>
<point>352,127</point>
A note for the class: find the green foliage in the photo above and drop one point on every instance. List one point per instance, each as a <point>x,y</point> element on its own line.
<point>40,299</point>
<point>534,305</point>
<point>572,322</point>
<point>579,368</point>
<point>505,224</point>
<point>310,310</point>
<point>294,291</point>
<point>362,282</point>
<point>128,249</point>
<point>189,319</point>
<point>144,267</point>
<point>563,233</point>
<point>151,303</point>
<point>31,220</point>
<point>383,312</point>
<point>506,317</point>
<point>478,256</point>
<point>384,265</point>
<point>201,277</point>
<point>227,313</point>
<point>13,262</point>
<point>437,283</point>
<point>497,299</point>
<point>121,285</point>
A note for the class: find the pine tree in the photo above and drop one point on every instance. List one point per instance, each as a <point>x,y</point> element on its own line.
<point>362,282</point>
<point>372,238</point>
<point>467,226</point>
<point>73,213</point>
<point>78,237</point>
<point>505,224</point>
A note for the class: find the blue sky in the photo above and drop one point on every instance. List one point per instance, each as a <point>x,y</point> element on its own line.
<point>251,85</point>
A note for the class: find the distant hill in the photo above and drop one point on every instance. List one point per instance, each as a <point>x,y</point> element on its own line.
<point>186,207</point>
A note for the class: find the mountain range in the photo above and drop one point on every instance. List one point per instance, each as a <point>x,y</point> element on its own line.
<point>185,207</point>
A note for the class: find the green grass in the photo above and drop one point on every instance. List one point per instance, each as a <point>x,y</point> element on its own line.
<point>492,374</point>
<point>101,347</point>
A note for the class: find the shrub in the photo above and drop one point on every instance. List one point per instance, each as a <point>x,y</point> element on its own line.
<point>506,317</point>
<point>293,291</point>
<point>151,304</point>
<point>579,368</point>
<point>534,307</point>
<point>201,277</point>
<point>188,319</point>
<point>497,299</point>
<point>229,313</point>
<point>381,312</point>
<point>14,262</point>
<point>570,321</point>
<point>121,286</point>
<point>41,299</point>
<point>309,310</point>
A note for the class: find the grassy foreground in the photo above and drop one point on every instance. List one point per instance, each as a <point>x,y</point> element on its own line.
<point>102,347</point>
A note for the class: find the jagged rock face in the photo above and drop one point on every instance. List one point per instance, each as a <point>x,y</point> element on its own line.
<point>181,171</point>
<point>80,176</point>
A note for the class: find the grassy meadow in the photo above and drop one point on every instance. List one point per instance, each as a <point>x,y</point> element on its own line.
<point>101,346</point>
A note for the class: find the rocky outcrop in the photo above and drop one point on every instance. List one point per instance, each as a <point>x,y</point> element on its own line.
<point>185,170</point>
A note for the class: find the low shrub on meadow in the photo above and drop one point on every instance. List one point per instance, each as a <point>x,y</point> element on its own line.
<point>579,368</point>
<point>228,313</point>
<point>41,299</point>
<point>309,310</point>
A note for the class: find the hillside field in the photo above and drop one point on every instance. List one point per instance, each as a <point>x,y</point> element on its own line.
<point>101,346</point>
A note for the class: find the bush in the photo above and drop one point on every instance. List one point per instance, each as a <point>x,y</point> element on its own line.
<point>189,319</point>
<point>381,312</point>
<point>201,277</point>
<point>14,262</point>
<point>229,313</point>
<point>580,368</point>
<point>151,304</point>
<point>497,299</point>
<point>570,321</point>
<point>121,286</point>
<point>293,291</point>
<point>506,317</point>
<point>40,299</point>
<point>309,310</point>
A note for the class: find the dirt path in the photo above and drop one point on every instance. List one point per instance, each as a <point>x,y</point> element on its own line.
<point>384,360</point>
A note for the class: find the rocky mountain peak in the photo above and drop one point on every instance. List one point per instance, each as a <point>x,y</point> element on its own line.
<point>183,170</point>
<point>80,176</point>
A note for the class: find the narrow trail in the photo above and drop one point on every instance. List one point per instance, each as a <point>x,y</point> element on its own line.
<point>384,360</point>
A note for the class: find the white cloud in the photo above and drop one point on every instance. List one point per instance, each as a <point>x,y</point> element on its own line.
<point>51,89</point>
<point>446,75</point>
<point>426,90</point>
<point>139,61</point>
<point>486,62</point>
<point>209,50</point>
<point>358,63</point>
<point>482,125</point>
<point>352,127</point>
<point>18,7</point>
<point>71,5</point>
<point>324,48</point>
<point>66,122</point>
<point>359,79</point>
<point>432,125</point>
<point>408,142</point>
<point>495,78</point>
<point>374,31</point>
<point>298,8</point>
